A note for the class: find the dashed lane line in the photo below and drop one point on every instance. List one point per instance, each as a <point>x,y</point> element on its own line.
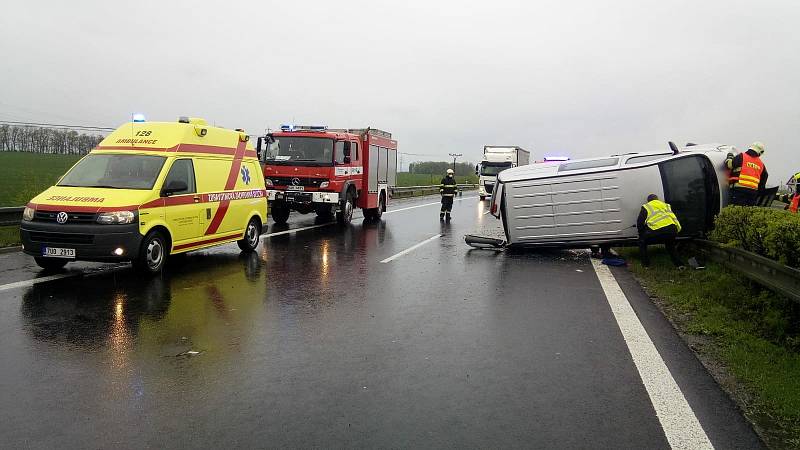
<point>680,425</point>
<point>411,249</point>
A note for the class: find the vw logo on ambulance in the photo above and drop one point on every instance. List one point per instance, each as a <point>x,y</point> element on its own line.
<point>62,217</point>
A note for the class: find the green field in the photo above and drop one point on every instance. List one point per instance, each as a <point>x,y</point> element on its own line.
<point>24,175</point>
<point>423,179</point>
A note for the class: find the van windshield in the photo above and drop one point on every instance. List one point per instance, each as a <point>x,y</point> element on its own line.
<point>115,172</point>
<point>293,150</point>
<point>493,169</point>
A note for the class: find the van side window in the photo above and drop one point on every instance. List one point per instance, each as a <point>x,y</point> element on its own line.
<point>646,158</point>
<point>592,164</point>
<point>338,152</point>
<point>182,170</point>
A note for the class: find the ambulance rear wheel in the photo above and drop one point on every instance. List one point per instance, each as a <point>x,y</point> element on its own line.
<point>50,263</point>
<point>153,253</point>
<point>280,214</point>
<point>251,235</point>
<point>345,214</point>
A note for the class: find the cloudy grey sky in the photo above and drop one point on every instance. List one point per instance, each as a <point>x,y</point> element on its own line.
<point>581,78</point>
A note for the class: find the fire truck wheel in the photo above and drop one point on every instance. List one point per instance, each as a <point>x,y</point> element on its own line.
<point>251,236</point>
<point>376,213</point>
<point>280,214</point>
<point>345,214</point>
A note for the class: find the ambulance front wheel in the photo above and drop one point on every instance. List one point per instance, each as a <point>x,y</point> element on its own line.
<point>251,235</point>
<point>153,253</point>
<point>280,214</point>
<point>50,263</point>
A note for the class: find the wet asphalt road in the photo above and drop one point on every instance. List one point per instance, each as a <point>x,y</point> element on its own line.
<point>313,342</point>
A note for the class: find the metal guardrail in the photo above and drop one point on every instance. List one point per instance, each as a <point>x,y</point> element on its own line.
<point>11,216</point>
<point>414,191</point>
<point>782,279</point>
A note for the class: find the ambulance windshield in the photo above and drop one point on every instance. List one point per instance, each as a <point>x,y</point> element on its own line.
<point>115,172</point>
<point>299,150</point>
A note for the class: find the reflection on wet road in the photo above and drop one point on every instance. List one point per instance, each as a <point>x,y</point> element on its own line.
<point>312,342</point>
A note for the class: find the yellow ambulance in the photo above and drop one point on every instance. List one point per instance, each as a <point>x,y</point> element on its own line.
<point>147,191</point>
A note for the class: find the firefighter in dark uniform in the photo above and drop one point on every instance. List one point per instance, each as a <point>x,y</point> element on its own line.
<point>448,189</point>
<point>657,223</point>
<point>792,199</point>
<point>748,175</point>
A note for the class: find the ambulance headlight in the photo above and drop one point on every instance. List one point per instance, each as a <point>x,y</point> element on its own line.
<point>116,217</point>
<point>27,214</point>
<point>324,184</point>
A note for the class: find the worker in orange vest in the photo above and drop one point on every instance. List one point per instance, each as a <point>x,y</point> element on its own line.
<point>748,175</point>
<point>793,197</point>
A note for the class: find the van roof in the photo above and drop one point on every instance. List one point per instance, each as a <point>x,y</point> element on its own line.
<point>602,163</point>
<point>177,137</point>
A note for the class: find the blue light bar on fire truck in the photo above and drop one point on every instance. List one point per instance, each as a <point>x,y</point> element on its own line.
<point>293,127</point>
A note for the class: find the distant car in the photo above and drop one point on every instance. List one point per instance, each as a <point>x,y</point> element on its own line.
<point>596,201</point>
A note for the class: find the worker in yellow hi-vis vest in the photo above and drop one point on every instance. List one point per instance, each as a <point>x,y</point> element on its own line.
<point>658,224</point>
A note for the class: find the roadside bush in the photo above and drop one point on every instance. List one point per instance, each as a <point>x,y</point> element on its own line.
<point>768,232</point>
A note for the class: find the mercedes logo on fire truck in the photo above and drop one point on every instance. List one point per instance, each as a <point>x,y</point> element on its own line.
<point>62,217</point>
<point>295,181</point>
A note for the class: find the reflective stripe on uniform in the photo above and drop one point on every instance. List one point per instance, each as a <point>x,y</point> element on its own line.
<point>660,215</point>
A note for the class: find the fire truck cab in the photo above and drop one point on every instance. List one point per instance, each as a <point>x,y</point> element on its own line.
<point>328,171</point>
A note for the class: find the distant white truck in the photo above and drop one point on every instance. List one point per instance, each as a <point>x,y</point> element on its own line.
<point>497,158</point>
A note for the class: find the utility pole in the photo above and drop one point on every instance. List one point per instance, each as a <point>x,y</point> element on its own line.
<point>455,156</point>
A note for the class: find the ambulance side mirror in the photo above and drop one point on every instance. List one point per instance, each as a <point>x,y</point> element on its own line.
<point>173,187</point>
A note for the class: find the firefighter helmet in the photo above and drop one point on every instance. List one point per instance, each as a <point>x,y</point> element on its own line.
<point>450,171</point>
<point>758,147</point>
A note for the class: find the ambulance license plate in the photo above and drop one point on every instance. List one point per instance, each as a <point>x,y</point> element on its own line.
<point>295,188</point>
<point>56,252</point>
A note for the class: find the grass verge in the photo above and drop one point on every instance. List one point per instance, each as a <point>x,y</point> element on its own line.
<point>9,236</point>
<point>24,175</point>
<point>748,338</point>
<point>423,179</point>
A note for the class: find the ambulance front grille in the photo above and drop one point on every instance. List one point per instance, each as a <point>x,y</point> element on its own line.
<point>74,217</point>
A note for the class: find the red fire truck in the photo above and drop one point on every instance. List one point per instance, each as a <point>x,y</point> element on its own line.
<point>327,171</point>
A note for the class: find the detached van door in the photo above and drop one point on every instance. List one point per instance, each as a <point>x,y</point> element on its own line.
<point>691,188</point>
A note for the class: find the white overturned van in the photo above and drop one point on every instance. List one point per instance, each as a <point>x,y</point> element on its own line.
<point>596,201</point>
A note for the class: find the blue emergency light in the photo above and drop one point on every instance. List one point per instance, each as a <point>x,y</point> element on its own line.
<point>138,117</point>
<point>293,127</point>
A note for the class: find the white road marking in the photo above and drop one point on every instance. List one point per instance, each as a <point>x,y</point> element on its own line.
<point>27,283</point>
<point>411,249</point>
<point>295,230</point>
<point>680,425</point>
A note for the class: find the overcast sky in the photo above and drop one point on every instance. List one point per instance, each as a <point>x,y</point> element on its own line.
<point>576,78</point>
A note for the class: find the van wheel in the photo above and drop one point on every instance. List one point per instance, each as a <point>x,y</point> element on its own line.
<point>483,197</point>
<point>50,263</point>
<point>280,214</point>
<point>251,235</point>
<point>345,214</point>
<point>152,254</point>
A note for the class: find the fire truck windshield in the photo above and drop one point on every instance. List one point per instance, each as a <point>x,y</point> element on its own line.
<point>299,151</point>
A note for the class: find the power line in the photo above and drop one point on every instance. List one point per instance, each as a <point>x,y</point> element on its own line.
<point>53,125</point>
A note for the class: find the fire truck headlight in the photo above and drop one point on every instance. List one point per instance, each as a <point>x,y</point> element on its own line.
<point>116,217</point>
<point>324,184</point>
<point>269,182</point>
